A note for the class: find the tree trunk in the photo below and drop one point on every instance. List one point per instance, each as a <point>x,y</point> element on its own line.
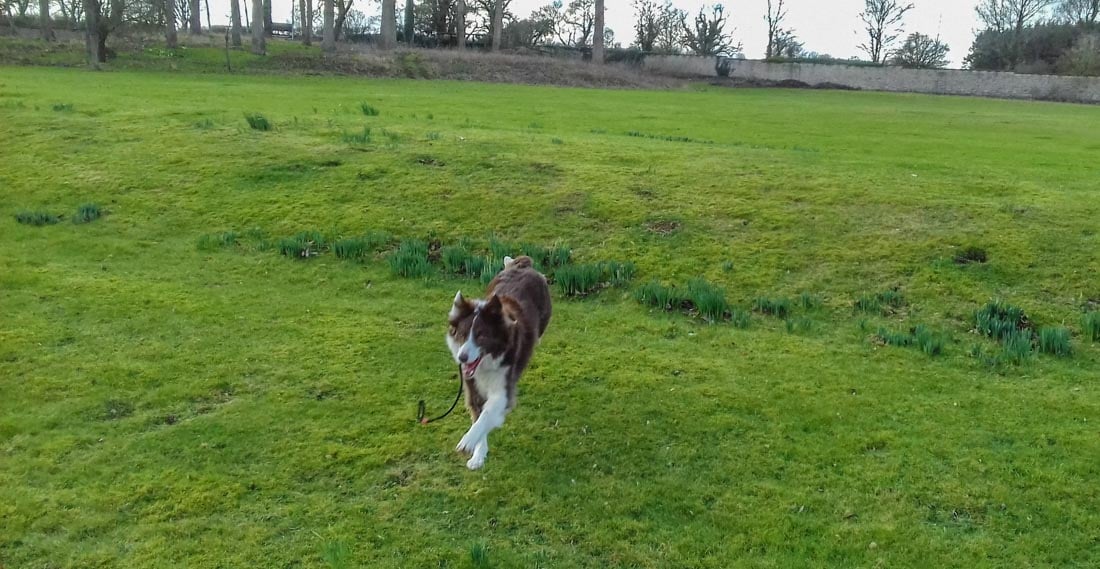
<point>196,18</point>
<point>259,45</point>
<point>597,37</point>
<point>498,23</point>
<point>170,37</point>
<point>460,24</point>
<point>91,32</point>
<point>44,20</point>
<point>341,17</point>
<point>207,2</point>
<point>389,24</point>
<point>307,32</point>
<point>268,28</point>
<point>235,22</point>
<point>410,18</point>
<point>328,31</point>
<point>302,20</point>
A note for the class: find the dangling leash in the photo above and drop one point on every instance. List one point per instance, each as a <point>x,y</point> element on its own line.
<point>421,408</point>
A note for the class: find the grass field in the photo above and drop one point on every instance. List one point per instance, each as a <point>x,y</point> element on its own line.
<point>172,396</point>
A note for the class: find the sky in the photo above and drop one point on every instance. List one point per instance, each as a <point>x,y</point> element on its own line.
<point>825,26</point>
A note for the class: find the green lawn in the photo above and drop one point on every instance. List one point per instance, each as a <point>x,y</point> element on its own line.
<point>164,404</point>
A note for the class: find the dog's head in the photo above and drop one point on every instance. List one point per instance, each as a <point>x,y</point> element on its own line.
<point>479,332</point>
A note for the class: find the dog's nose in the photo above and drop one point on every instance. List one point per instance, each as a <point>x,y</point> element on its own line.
<point>462,357</point>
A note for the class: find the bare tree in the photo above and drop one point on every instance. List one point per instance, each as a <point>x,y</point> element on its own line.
<point>921,52</point>
<point>777,12</point>
<point>646,24</point>
<point>328,31</point>
<point>410,22</point>
<point>269,28</point>
<point>460,24</point>
<point>389,24</point>
<point>343,7</point>
<point>708,36</point>
<point>498,24</point>
<point>1005,15</point>
<point>1081,12</point>
<point>44,27</point>
<point>207,5</point>
<point>670,25</point>
<point>881,20</point>
<point>196,18</point>
<point>235,22</point>
<point>259,44</point>
<point>170,36</point>
<point>598,33</point>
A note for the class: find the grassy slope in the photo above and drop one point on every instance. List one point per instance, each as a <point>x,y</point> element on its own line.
<point>641,439</point>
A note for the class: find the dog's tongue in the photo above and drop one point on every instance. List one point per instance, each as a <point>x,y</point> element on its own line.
<point>469,369</point>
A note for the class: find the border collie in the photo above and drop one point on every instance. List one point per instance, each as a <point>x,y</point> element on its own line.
<point>493,340</point>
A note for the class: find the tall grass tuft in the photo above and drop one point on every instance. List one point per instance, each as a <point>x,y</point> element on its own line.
<point>258,121</point>
<point>36,218</point>
<point>809,301</point>
<point>362,137</point>
<point>892,338</point>
<point>929,342</point>
<point>885,302</point>
<point>303,245</point>
<point>740,318</point>
<point>620,274</point>
<point>87,213</point>
<point>368,110</point>
<point>579,280</point>
<point>1017,347</point>
<point>660,296</point>
<point>500,249</point>
<point>351,248</point>
<point>455,259</point>
<point>1090,323</point>
<point>491,268</point>
<point>410,260</point>
<point>999,320</point>
<point>1054,341</point>
<point>212,241</point>
<point>778,307</point>
<point>709,300</point>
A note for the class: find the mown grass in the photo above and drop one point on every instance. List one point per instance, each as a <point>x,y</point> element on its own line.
<point>170,406</point>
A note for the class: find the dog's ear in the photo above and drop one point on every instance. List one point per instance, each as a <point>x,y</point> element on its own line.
<point>510,311</point>
<point>492,306</point>
<point>460,308</point>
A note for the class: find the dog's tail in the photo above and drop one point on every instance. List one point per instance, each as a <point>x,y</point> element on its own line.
<point>523,262</point>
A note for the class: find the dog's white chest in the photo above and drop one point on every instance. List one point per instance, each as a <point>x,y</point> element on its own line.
<point>491,381</point>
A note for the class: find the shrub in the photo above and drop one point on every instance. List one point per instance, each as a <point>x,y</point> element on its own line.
<point>257,121</point>
<point>36,218</point>
<point>368,110</point>
<point>87,213</point>
<point>1091,324</point>
<point>709,300</point>
<point>1054,341</point>
<point>657,295</point>
<point>778,307</point>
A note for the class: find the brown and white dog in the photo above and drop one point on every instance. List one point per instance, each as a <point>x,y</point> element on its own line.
<point>493,340</point>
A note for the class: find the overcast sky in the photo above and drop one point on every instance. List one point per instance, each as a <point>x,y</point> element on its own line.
<point>826,26</point>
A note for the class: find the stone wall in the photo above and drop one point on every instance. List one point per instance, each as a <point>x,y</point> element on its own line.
<point>932,81</point>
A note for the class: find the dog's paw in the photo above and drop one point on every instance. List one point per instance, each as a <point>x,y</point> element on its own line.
<point>475,462</point>
<point>468,442</point>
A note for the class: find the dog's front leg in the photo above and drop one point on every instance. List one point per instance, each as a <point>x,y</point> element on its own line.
<point>492,417</point>
<point>481,450</point>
